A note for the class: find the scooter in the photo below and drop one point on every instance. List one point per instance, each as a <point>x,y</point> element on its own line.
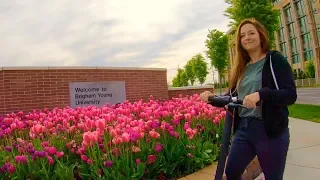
<point>232,103</point>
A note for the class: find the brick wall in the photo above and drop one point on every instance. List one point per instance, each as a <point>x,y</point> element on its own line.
<point>25,89</point>
<point>2,104</point>
<point>176,91</point>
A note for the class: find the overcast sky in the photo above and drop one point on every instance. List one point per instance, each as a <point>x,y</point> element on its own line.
<point>139,33</point>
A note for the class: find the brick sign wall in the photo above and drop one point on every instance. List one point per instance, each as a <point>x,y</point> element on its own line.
<point>26,89</point>
<point>176,91</point>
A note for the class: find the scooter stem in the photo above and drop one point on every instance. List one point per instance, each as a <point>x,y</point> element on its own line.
<point>224,151</point>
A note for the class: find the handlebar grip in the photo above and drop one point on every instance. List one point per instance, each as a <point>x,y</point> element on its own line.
<point>219,101</point>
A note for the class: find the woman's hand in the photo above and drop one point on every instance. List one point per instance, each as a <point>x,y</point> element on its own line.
<point>251,100</point>
<point>205,95</point>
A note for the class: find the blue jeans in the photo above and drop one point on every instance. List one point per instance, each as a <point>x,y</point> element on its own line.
<point>250,140</point>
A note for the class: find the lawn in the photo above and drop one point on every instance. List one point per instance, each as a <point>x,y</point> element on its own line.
<point>305,111</point>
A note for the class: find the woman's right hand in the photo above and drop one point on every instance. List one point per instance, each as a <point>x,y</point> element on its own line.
<point>205,95</point>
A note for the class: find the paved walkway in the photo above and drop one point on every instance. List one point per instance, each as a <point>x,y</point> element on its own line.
<point>206,173</point>
<point>308,96</point>
<point>303,160</point>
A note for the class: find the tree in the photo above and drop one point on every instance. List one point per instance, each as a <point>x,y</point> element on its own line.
<point>175,82</point>
<point>181,79</point>
<point>261,10</point>
<point>217,45</point>
<point>311,72</point>
<point>200,68</point>
<point>189,69</point>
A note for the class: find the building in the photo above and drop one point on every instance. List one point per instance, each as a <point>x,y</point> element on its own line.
<point>298,35</point>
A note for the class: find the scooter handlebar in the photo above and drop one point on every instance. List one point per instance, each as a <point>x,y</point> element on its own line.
<point>219,101</point>
<point>222,101</point>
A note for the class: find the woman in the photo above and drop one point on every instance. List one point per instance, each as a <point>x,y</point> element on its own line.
<point>261,129</point>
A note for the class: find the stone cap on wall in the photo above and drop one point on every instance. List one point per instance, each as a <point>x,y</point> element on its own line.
<point>77,67</point>
<point>189,87</point>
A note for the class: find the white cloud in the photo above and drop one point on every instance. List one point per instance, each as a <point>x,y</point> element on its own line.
<point>181,51</point>
<point>115,32</point>
<point>126,55</point>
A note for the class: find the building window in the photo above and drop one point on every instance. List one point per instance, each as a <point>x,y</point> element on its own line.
<point>306,39</point>
<point>282,42</point>
<point>300,9</point>
<point>303,24</point>
<point>281,35</point>
<point>288,14</point>
<point>292,35</point>
<point>294,45</point>
<point>304,31</point>
<point>316,14</point>
<point>291,30</point>
<point>283,49</point>
<point>294,51</point>
<point>295,59</point>
<point>308,55</point>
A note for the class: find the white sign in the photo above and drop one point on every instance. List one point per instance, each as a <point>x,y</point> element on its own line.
<point>96,93</point>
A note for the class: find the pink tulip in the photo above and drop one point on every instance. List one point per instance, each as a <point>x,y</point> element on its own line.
<point>117,140</point>
<point>89,138</point>
<point>32,135</point>
<point>191,132</point>
<point>187,116</point>
<point>89,161</point>
<point>84,158</point>
<point>216,120</point>
<point>51,150</point>
<point>10,168</point>
<point>13,126</point>
<point>153,134</point>
<point>135,149</point>
<point>138,161</point>
<point>21,159</point>
<point>108,163</point>
<point>141,135</point>
<point>151,159</point>
<point>101,124</point>
<point>190,155</point>
<point>50,160</point>
<point>125,137</point>
<point>60,154</point>
<point>159,147</point>
<point>113,133</point>
<point>37,129</point>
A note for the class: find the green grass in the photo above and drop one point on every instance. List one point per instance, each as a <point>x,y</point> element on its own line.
<point>305,111</point>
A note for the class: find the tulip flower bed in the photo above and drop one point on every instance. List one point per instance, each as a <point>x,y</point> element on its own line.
<point>139,140</point>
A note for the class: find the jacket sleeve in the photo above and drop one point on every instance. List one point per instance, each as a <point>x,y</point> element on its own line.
<point>286,95</point>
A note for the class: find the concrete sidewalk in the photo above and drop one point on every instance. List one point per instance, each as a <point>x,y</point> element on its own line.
<point>303,161</point>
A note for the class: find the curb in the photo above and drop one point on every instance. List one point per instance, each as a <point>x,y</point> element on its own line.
<point>252,171</point>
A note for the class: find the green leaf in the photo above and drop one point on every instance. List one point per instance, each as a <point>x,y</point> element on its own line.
<point>205,155</point>
<point>140,171</point>
<point>63,171</point>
